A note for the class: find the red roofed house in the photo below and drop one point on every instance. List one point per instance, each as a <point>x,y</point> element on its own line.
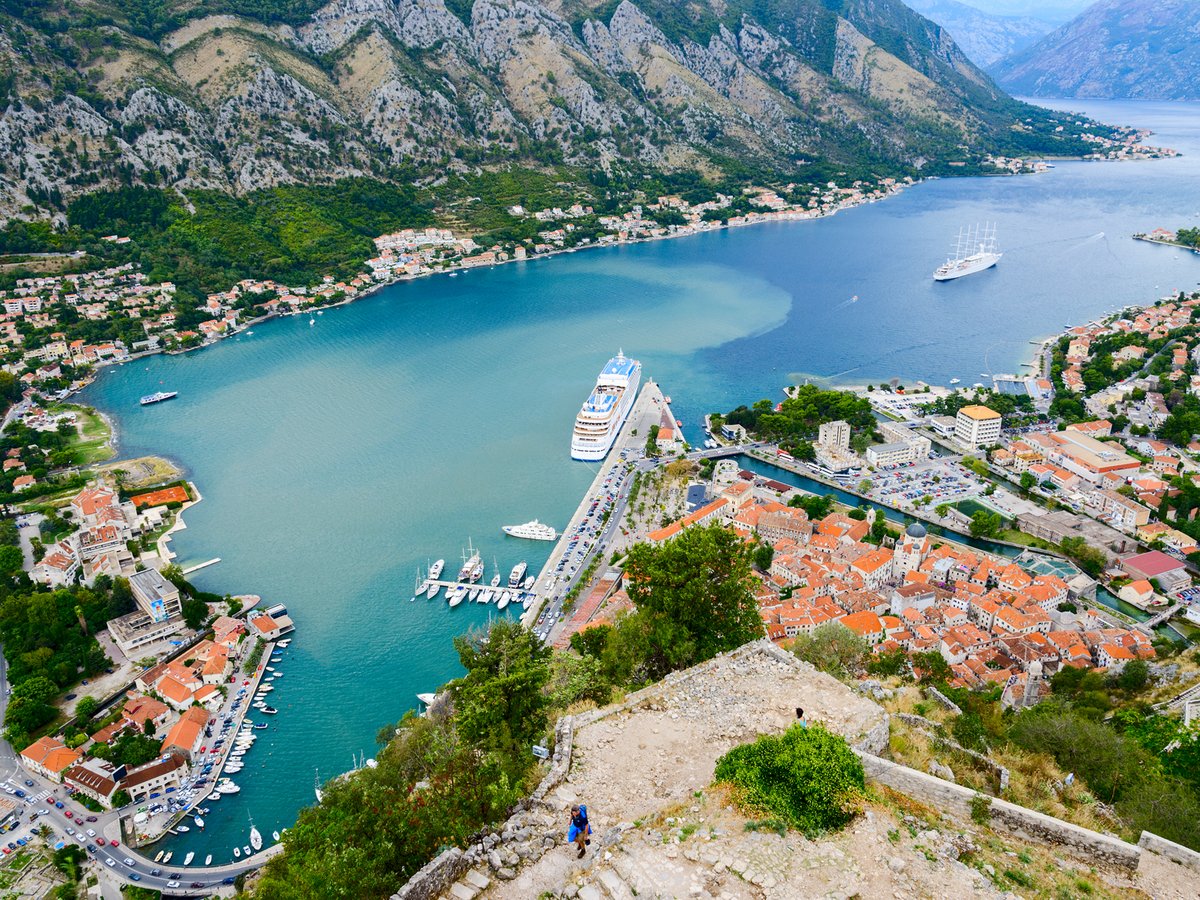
<point>187,734</point>
<point>49,757</point>
<point>865,624</point>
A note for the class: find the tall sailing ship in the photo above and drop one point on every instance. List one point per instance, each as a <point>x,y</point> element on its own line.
<point>606,408</point>
<point>974,252</point>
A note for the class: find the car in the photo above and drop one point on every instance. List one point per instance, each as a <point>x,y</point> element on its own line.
<point>93,818</point>
<point>70,830</point>
<point>156,872</point>
<point>100,841</point>
<point>110,862</point>
<point>129,861</point>
<point>113,842</point>
<point>28,782</point>
<point>91,848</point>
<point>20,793</point>
<point>134,876</point>
<point>21,842</point>
<point>91,833</point>
<point>197,884</point>
<point>5,851</point>
<point>43,812</point>
<point>229,880</point>
<point>58,804</point>
<point>69,814</point>
<point>72,696</point>
<point>174,875</point>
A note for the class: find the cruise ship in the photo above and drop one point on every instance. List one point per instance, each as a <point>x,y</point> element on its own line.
<point>974,252</point>
<point>605,410</point>
<point>532,531</point>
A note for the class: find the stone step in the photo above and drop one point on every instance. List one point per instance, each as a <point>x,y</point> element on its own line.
<point>476,879</point>
<point>460,891</point>
<point>589,892</point>
<point>613,885</point>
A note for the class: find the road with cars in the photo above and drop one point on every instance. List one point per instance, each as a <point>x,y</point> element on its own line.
<point>44,804</point>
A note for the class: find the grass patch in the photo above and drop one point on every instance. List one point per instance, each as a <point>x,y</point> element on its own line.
<point>93,441</point>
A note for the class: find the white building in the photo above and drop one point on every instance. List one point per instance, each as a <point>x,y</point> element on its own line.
<point>834,436</point>
<point>977,426</point>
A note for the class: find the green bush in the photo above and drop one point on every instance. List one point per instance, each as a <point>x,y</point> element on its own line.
<point>809,777</point>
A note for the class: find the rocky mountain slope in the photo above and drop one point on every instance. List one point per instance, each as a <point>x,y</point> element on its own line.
<point>985,38</point>
<point>1146,49</point>
<point>236,95</point>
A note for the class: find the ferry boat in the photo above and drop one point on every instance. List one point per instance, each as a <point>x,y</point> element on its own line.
<point>974,252</point>
<point>606,408</point>
<point>517,575</point>
<point>158,397</point>
<point>531,531</point>
<point>472,567</point>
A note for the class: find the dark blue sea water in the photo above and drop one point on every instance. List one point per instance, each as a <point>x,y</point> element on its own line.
<point>336,459</point>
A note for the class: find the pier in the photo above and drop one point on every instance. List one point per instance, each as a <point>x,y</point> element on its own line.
<point>445,586</point>
<point>551,586</point>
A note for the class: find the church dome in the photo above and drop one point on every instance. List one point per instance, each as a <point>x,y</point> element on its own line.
<point>916,530</point>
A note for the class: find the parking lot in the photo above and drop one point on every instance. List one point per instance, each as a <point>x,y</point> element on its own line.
<point>943,479</point>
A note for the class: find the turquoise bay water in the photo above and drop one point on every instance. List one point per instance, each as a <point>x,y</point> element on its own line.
<point>336,459</point>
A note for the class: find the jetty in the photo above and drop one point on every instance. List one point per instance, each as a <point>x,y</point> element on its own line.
<point>550,585</point>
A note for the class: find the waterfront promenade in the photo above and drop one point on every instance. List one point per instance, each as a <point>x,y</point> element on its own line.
<point>552,586</point>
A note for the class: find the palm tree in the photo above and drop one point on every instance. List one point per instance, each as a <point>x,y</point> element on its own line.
<point>82,621</point>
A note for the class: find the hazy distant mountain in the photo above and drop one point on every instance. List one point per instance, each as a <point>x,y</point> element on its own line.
<point>1117,48</point>
<point>1056,11</point>
<point>984,37</point>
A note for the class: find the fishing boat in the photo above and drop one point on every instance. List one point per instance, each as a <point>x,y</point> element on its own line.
<point>208,860</point>
<point>187,860</point>
<point>215,795</point>
<point>246,850</point>
<point>269,710</point>
<point>159,857</point>
<point>237,854</point>
<point>261,725</point>
<point>182,829</point>
<point>167,858</point>
<point>199,822</point>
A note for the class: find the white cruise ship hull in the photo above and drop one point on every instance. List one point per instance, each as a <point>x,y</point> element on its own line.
<point>969,266</point>
<point>596,432</point>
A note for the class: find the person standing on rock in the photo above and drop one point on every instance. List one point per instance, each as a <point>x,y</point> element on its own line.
<point>579,829</point>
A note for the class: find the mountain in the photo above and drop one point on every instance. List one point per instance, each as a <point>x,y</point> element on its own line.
<point>238,95</point>
<point>1057,12</point>
<point>984,37</point>
<point>1147,49</point>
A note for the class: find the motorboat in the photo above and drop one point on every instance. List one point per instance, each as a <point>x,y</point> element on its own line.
<point>275,835</point>
<point>247,851</point>
<point>237,853</point>
<point>199,822</point>
<point>208,860</point>
<point>167,858</point>
<point>159,857</point>
<point>473,594</point>
<point>182,829</point>
<point>503,601</point>
<point>214,796</point>
<point>187,860</point>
